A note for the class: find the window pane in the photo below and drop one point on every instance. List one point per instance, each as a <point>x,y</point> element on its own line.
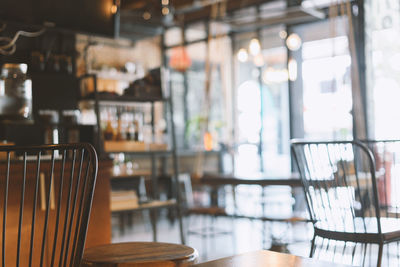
<point>262,105</point>
<point>383,66</point>
<point>195,32</point>
<point>173,36</point>
<point>326,77</point>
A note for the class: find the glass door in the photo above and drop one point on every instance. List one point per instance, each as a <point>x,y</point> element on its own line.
<point>326,80</point>
<point>262,103</point>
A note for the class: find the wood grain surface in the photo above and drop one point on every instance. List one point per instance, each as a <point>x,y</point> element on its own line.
<point>99,228</point>
<point>139,254</point>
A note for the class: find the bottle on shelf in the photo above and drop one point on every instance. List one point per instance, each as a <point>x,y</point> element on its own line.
<point>136,130</point>
<point>119,135</point>
<point>108,131</point>
<point>130,133</point>
<point>137,126</point>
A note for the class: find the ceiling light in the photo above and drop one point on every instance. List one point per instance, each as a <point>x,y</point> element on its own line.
<point>164,2</point>
<point>242,55</point>
<point>293,42</point>
<point>146,15</point>
<point>165,11</point>
<point>283,34</point>
<point>254,47</point>
<point>114,9</point>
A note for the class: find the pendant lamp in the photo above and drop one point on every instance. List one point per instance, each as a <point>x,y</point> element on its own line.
<point>180,59</point>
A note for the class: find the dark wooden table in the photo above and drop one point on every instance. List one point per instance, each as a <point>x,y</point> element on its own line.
<point>266,258</point>
<point>260,179</point>
<point>216,181</point>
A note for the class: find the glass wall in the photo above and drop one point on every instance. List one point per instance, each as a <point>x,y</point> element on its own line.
<point>383,67</point>
<point>195,111</point>
<point>262,103</point>
<point>261,74</point>
<point>326,80</point>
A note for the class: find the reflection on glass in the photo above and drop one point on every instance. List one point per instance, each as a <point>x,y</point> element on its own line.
<point>383,66</point>
<point>262,107</point>
<point>327,89</point>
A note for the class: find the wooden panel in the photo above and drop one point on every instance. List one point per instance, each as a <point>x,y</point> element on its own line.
<point>99,231</point>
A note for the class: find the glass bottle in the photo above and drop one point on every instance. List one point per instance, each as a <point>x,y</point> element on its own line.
<point>119,136</point>
<point>108,131</point>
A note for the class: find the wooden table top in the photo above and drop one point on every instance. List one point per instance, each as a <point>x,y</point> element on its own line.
<point>251,179</point>
<point>266,258</point>
<point>135,253</point>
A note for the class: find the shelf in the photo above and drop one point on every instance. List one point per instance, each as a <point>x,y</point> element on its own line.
<point>144,153</point>
<point>125,146</point>
<point>133,147</point>
<point>119,100</point>
<point>154,204</point>
<point>123,173</point>
<point>115,75</point>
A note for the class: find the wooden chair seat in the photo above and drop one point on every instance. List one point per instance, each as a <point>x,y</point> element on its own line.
<point>213,211</point>
<point>144,254</point>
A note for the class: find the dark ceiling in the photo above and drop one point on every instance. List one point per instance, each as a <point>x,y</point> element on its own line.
<point>135,23</point>
<point>191,10</point>
<point>144,18</point>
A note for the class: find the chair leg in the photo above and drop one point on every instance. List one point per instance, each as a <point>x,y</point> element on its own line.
<point>312,250</point>
<point>153,219</point>
<point>180,221</point>
<point>121,221</point>
<point>379,263</point>
<point>205,235</point>
<point>233,234</point>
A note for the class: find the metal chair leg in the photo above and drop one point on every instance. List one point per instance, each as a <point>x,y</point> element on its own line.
<point>379,263</point>
<point>312,250</point>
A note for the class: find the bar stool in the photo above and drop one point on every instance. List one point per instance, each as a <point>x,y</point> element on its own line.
<point>143,254</point>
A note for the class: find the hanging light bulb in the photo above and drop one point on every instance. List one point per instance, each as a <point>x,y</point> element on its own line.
<point>254,47</point>
<point>283,34</point>
<point>293,42</point>
<point>242,55</point>
<point>114,9</point>
<point>146,15</point>
<point>258,60</point>
<point>165,11</point>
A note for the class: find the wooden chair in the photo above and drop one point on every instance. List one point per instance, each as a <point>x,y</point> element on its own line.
<point>340,185</point>
<point>45,200</point>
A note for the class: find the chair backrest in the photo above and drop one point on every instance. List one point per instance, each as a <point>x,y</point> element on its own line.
<point>340,185</point>
<point>45,198</point>
<point>387,158</point>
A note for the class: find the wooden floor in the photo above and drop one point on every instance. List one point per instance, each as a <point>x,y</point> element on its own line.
<point>248,236</point>
<point>242,235</point>
<point>251,235</point>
